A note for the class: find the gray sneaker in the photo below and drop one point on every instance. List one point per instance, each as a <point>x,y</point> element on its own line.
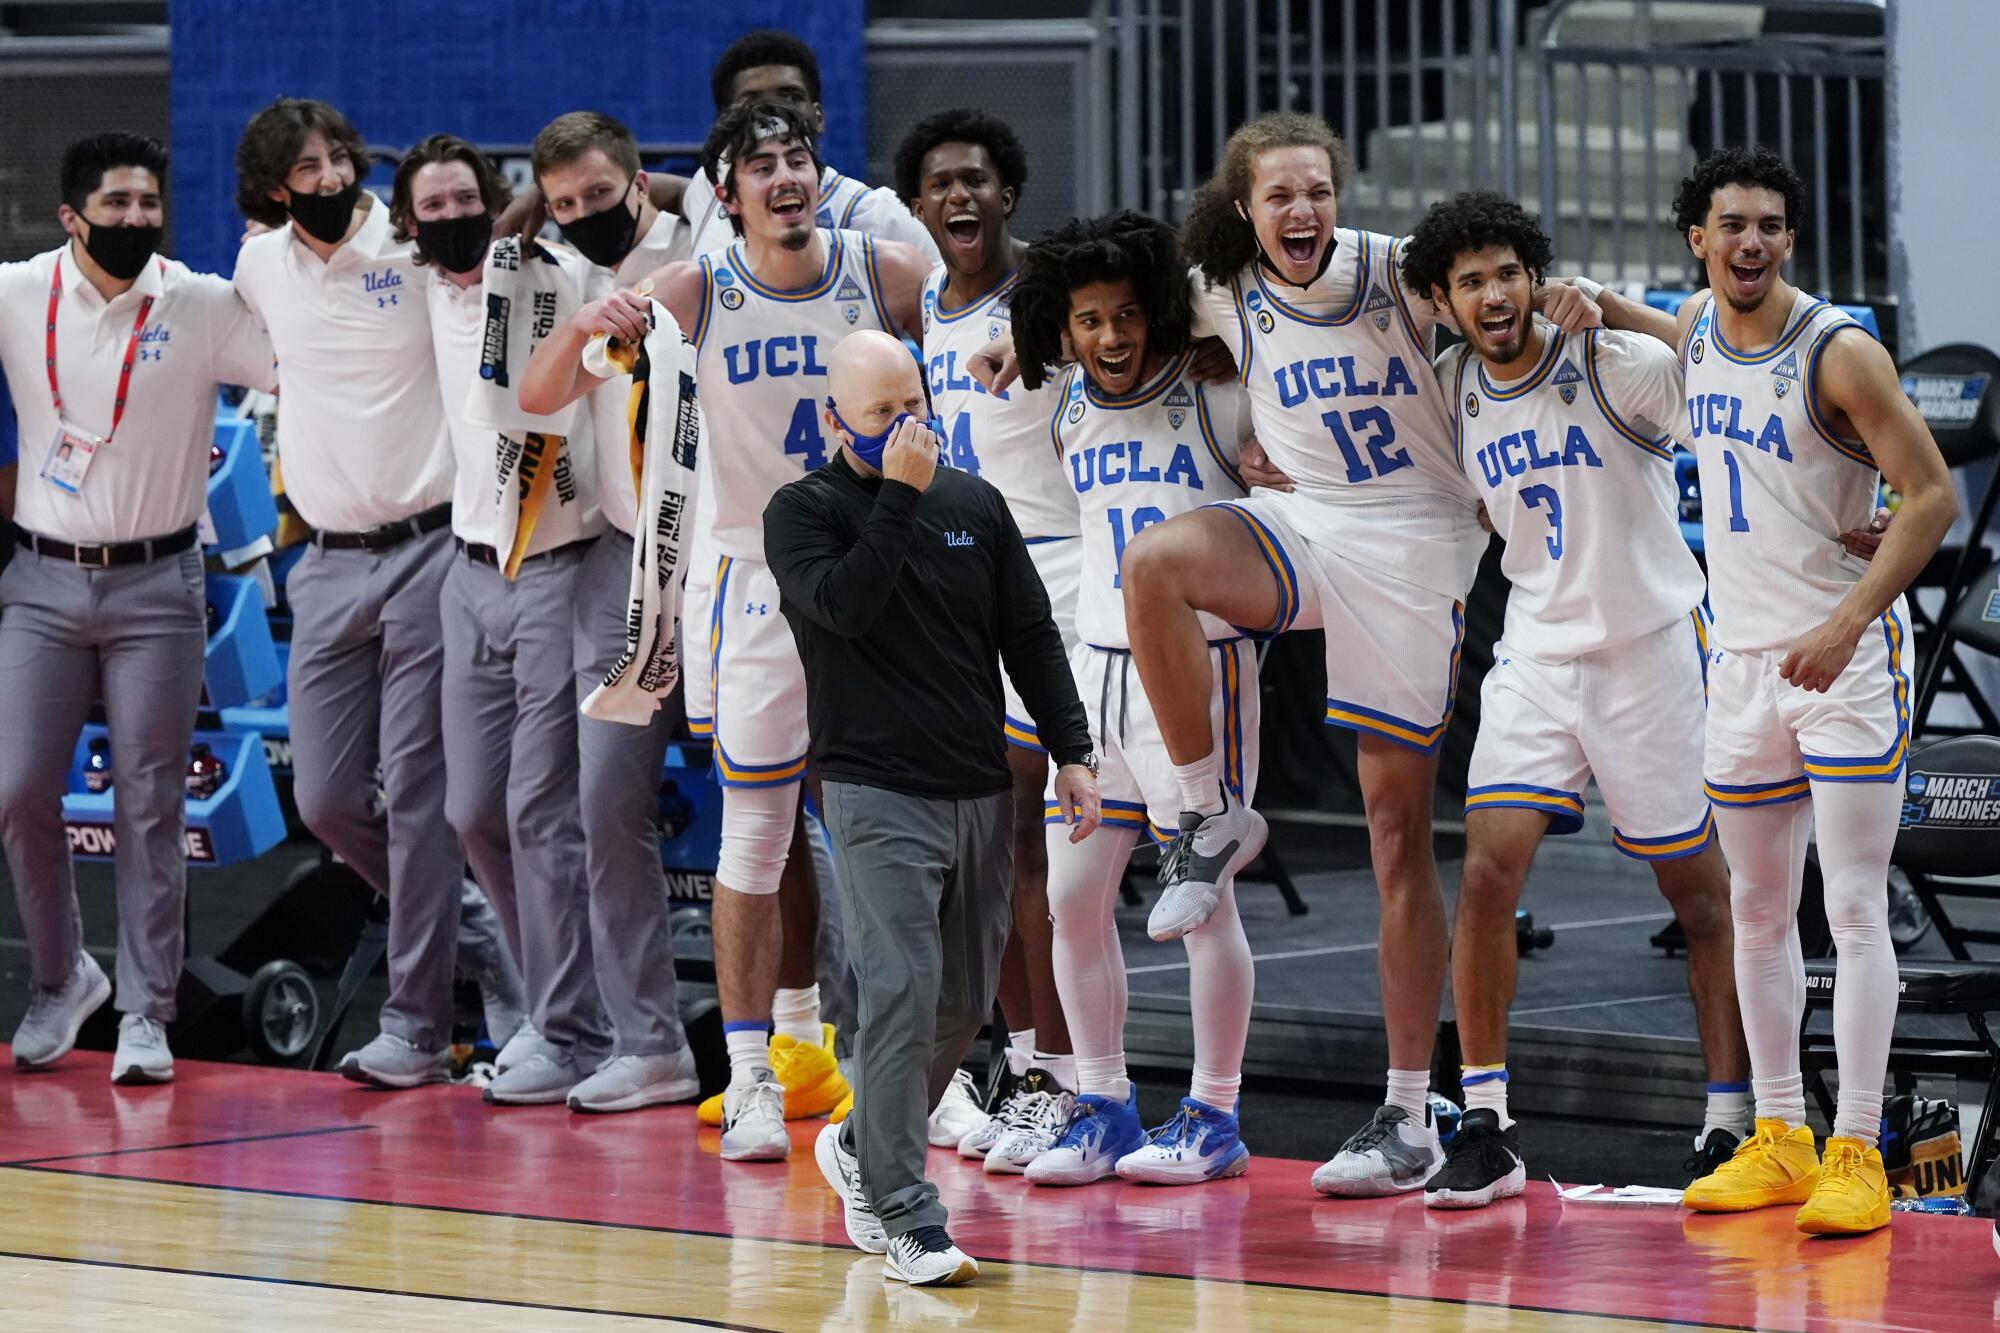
<point>483,959</point>
<point>1393,1153</point>
<point>543,1077</point>
<point>628,1082</point>
<point>526,1041</point>
<point>389,1061</point>
<point>1207,852</point>
<point>142,1055</point>
<point>57,1013</point>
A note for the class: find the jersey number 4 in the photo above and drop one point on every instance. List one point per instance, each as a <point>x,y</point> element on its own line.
<point>802,437</point>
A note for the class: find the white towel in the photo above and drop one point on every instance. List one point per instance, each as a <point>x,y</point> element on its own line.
<point>527,296</point>
<point>666,435</point>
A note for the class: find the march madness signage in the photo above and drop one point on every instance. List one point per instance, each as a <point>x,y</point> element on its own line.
<point>1951,800</point>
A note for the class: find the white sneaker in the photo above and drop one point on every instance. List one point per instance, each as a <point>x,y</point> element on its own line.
<point>628,1082</point>
<point>843,1173</point>
<point>958,1112</point>
<point>1207,852</point>
<point>753,1121</point>
<point>390,1061</point>
<point>1391,1154</point>
<point>927,1258</point>
<point>543,1077</point>
<point>57,1013</point>
<point>142,1055</point>
<point>1039,1117</point>
<point>527,1039</point>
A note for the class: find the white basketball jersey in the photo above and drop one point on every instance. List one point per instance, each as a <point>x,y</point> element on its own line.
<point>843,203</point>
<point>760,361</point>
<point>1168,447</point>
<point>1777,486</point>
<point>1577,471</point>
<point>1346,406</point>
<point>1002,437</point>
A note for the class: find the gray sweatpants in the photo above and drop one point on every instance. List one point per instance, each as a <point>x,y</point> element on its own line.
<point>927,884</point>
<point>135,635</point>
<point>367,657</point>
<point>620,769</point>
<point>511,779</point>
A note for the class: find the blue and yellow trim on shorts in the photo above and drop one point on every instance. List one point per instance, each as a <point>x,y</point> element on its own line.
<point>1564,808</point>
<point>1702,621</point>
<point>1113,814</point>
<point>1021,734</point>
<point>729,773</point>
<point>1740,795</point>
<point>1280,565</point>
<point>1232,717</point>
<point>705,726</point>
<point>1670,848</point>
<point>1412,735</point>
<point>1888,765</point>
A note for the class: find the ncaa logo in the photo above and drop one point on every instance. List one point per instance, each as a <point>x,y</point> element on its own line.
<point>1472,404</point>
<point>1264,321</point>
<point>1917,782</point>
<point>724,278</point>
<point>1695,350</point>
<point>731,299</point>
<point>1075,413</point>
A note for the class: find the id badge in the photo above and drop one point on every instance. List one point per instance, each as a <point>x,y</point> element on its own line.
<point>69,458</point>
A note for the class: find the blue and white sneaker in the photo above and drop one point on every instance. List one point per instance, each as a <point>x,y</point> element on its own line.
<point>1099,1131</point>
<point>1200,1143</point>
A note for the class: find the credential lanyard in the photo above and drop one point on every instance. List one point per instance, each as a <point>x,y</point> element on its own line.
<point>124,371</point>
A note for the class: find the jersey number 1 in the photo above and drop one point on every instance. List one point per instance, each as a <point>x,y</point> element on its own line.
<point>1141,517</point>
<point>1737,523</point>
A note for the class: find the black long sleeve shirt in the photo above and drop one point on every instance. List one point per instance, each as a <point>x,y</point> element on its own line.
<point>904,605</point>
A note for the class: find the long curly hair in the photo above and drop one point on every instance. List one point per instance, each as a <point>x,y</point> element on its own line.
<point>1081,251</point>
<point>1472,220</point>
<point>1218,239</point>
<point>1758,167</point>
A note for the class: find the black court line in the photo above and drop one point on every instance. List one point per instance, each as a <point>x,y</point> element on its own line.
<point>1308,1287</point>
<point>384,1291</point>
<point>198,1143</point>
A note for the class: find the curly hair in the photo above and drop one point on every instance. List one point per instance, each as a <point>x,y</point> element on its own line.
<point>1472,220</point>
<point>961,125</point>
<point>1082,251</point>
<point>740,128</point>
<point>493,191</point>
<point>753,50</point>
<point>1218,239</point>
<point>271,142</point>
<point>1758,167</point>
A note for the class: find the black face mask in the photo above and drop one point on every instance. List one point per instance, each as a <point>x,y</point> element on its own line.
<point>121,251</point>
<point>456,244</point>
<point>325,217</point>
<point>604,237</point>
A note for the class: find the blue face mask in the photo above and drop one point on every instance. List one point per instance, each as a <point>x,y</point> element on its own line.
<point>868,448</point>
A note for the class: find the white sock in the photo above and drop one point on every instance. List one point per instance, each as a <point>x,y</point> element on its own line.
<point>1061,1068</point>
<point>1410,1089</point>
<point>795,1014</point>
<point>1104,1076</point>
<point>1857,830</point>
<point>1782,1098</point>
<point>1020,1050</point>
<point>1486,1087</point>
<point>1089,962</point>
<point>1857,1114</point>
<point>1222,982</point>
<point>1728,1109</point>
<point>749,1050</point>
<point>1218,1090</point>
<point>1201,783</point>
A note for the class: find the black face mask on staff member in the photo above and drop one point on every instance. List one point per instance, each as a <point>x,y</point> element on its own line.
<point>325,217</point>
<point>606,236</point>
<point>121,251</point>
<point>456,244</point>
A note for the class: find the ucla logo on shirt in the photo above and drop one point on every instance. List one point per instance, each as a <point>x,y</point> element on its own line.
<point>152,342</point>
<point>1566,381</point>
<point>731,299</point>
<point>382,286</point>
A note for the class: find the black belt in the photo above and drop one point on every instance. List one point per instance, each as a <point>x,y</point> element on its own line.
<point>487,555</point>
<point>109,556</point>
<point>386,537</point>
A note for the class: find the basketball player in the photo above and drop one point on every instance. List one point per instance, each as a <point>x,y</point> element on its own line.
<point>1792,411</point>
<point>763,314</point>
<point>1600,671</point>
<point>962,172</point>
<point>1142,440</point>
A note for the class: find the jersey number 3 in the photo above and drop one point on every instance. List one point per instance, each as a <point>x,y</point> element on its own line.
<point>1545,497</point>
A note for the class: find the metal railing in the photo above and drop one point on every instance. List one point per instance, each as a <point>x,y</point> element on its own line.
<point>1618,122</point>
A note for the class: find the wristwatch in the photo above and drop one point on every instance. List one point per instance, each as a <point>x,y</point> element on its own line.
<point>1089,761</point>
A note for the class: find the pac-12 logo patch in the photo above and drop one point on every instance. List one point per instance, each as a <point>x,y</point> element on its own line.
<point>731,298</point>
<point>1568,392</point>
<point>1175,416</point>
<point>1780,386</point>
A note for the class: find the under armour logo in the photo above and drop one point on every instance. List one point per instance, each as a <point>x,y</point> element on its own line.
<point>384,301</point>
<point>756,608</point>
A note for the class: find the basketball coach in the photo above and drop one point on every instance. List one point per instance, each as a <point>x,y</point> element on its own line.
<point>907,587</point>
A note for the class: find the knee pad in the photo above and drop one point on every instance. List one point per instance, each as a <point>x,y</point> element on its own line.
<point>756,833</point>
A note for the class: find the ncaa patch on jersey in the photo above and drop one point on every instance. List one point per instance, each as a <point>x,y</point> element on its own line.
<point>724,278</point>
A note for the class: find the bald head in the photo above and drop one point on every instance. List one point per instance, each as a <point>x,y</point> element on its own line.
<point>872,378</point>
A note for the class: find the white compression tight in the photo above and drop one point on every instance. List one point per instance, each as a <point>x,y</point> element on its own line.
<point>1766,849</point>
<point>1090,968</point>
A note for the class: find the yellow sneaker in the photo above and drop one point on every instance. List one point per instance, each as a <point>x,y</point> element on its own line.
<point>809,1073</point>
<point>1852,1196</point>
<point>1773,1166</point>
<point>840,1111</point>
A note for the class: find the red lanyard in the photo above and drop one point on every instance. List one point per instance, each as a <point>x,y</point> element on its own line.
<point>124,371</point>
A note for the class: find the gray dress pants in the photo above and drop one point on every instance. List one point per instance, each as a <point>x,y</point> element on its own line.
<point>619,772</point>
<point>511,779</point>
<point>134,635</point>
<point>367,658</point>
<point>927,887</point>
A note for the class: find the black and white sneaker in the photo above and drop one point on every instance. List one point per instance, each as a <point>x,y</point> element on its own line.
<point>1711,1150</point>
<point>1482,1164</point>
<point>927,1258</point>
<point>843,1173</point>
